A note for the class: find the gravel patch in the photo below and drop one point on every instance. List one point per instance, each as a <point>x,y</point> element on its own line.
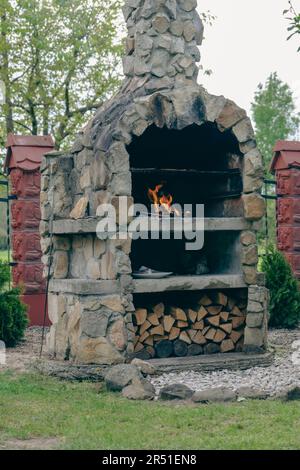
<point>283,373</point>
<point>28,350</point>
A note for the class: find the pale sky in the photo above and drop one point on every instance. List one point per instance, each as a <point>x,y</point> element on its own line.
<point>245,44</point>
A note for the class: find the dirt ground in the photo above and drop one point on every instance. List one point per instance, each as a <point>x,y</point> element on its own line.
<point>20,357</point>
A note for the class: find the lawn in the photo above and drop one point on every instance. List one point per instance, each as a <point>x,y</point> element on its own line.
<point>3,255</point>
<point>82,416</point>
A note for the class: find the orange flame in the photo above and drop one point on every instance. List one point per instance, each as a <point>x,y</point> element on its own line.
<point>159,199</point>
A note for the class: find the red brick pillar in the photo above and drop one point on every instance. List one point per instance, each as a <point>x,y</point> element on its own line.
<point>286,166</point>
<point>23,160</point>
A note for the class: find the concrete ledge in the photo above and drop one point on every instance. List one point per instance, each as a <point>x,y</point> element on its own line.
<point>70,226</point>
<point>231,361</point>
<point>89,225</point>
<point>84,287</point>
<point>217,281</point>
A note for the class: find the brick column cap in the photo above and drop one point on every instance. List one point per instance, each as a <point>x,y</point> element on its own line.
<point>26,152</point>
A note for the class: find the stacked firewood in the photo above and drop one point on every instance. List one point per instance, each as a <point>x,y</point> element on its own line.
<point>215,324</point>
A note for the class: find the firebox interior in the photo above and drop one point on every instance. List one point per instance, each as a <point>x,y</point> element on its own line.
<point>198,164</point>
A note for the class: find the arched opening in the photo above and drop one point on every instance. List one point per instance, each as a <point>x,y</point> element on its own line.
<point>196,165</point>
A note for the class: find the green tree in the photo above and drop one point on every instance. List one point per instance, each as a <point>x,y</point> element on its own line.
<point>294,20</point>
<point>274,114</point>
<point>275,117</point>
<point>59,60</point>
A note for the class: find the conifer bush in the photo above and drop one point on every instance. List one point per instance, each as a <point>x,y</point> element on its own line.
<point>13,318</point>
<point>284,290</point>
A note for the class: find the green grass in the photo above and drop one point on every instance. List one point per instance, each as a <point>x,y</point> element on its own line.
<point>81,417</point>
<point>3,255</point>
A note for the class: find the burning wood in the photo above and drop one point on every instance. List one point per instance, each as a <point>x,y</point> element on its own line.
<point>161,200</point>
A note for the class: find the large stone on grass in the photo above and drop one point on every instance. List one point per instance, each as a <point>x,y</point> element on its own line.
<point>139,390</point>
<point>121,375</point>
<point>143,366</point>
<point>251,393</point>
<point>292,393</point>
<point>214,395</point>
<point>175,392</point>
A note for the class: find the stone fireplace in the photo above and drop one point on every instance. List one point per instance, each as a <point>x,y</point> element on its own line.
<point>164,136</point>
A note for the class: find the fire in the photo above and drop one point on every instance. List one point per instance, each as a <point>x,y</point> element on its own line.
<point>160,200</point>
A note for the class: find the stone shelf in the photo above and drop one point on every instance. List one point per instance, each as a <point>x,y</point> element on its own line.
<point>84,286</point>
<point>88,225</point>
<point>172,283</point>
<point>189,283</point>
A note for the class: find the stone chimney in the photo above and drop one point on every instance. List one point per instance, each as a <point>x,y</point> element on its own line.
<point>162,41</point>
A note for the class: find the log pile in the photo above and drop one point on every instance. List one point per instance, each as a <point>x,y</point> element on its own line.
<point>215,324</point>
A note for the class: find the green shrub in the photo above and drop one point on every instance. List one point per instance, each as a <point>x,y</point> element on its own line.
<point>13,318</point>
<point>284,290</point>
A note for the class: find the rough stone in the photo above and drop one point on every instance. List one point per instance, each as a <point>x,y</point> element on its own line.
<point>85,178</point>
<point>98,172</point>
<point>159,63</point>
<point>187,5</point>
<point>143,45</point>
<point>250,274</point>
<point>249,255</point>
<point>56,307</point>
<point>253,165</point>
<point>93,269</point>
<point>199,28</point>
<point>145,367</point>
<point>257,293</point>
<point>120,184</point>
<point>254,206</point>
<point>177,46</point>
<point>107,267</point>
<point>252,184</point>
<point>139,390</point>
<point>214,395</point>
<point>230,115</point>
<point>248,238</point>
<point>175,392</point>
<point>164,41</point>
<point>161,23</point>
<point>251,393</point>
<point>99,248</point>
<point>189,31</point>
<point>254,336</point>
<point>112,302</point>
<point>119,376</point>
<point>118,335</point>
<point>80,208</point>
<point>254,320</point>
<point>97,351</point>
<point>60,264</point>
<point>176,28</point>
<point>243,130</point>
<point>254,307</point>
<point>94,323</point>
